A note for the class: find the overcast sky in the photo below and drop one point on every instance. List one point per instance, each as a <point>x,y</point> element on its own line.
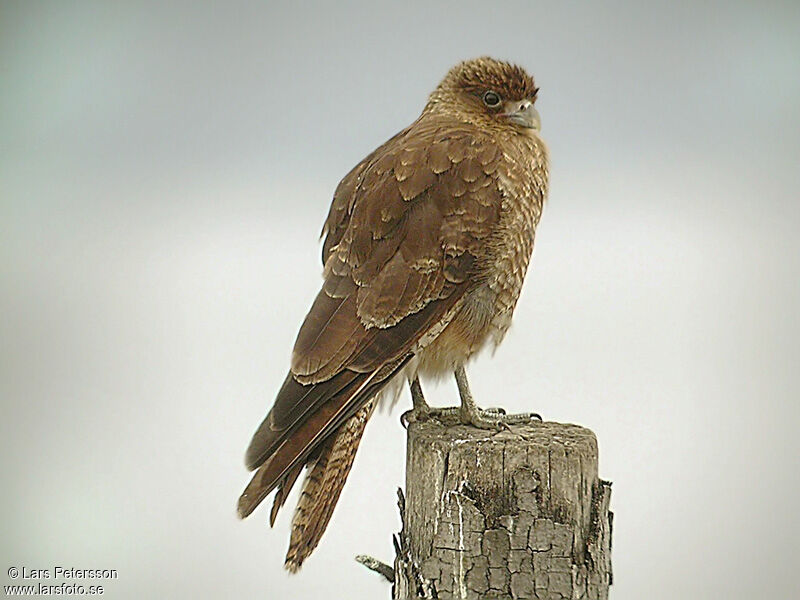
<point>165,169</point>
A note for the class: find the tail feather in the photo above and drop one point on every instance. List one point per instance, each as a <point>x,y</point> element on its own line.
<point>284,487</point>
<point>322,486</point>
<point>305,440</point>
<point>295,446</point>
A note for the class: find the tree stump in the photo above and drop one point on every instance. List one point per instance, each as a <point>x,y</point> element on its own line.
<point>511,514</point>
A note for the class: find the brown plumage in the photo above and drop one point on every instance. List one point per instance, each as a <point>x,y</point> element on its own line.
<point>427,243</point>
<point>322,486</point>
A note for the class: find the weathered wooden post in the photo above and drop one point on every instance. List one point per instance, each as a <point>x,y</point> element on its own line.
<point>512,514</point>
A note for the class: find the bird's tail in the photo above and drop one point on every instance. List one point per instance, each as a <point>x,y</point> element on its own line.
<point>322,486</point>
<point>319,426</point>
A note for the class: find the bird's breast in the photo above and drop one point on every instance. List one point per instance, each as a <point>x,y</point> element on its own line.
<point>523,183</point>
<point>484,315</point>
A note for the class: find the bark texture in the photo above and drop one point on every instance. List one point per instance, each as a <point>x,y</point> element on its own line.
<point>515,514</point>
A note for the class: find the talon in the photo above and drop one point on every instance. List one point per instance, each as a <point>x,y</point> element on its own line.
<point>414,415</point>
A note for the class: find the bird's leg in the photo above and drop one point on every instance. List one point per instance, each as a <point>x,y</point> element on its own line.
<point>421,410</point>
<point>492,418</point>
<point>416,396</point>
<point>468,413</point>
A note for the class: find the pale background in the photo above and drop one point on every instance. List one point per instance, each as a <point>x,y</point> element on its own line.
<point>165,170</point>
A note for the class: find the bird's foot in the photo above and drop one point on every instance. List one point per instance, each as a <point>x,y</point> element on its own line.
<point>421,411</point>
<point>419,414</point>
<point>482,418</point>
<point>493,418</point>
<point>489,418</point>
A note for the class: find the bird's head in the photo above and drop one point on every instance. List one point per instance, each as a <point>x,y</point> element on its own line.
<point>488,93</point>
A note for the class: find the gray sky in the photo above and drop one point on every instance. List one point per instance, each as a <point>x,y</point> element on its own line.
<point>162,165</point>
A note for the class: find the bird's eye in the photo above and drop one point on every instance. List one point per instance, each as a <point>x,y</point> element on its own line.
<point>491,99</point>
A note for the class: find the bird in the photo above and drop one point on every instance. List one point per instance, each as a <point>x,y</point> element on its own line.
<point>426,246</point>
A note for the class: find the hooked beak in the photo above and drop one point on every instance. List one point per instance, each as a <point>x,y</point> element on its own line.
<point>523,113</point>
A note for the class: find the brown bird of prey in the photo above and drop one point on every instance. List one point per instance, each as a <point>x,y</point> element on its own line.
<point>426,246</point>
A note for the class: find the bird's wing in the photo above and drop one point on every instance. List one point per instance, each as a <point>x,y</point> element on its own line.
<point>338,214</point>
<point>417,219</point>
<point>419,212</point>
